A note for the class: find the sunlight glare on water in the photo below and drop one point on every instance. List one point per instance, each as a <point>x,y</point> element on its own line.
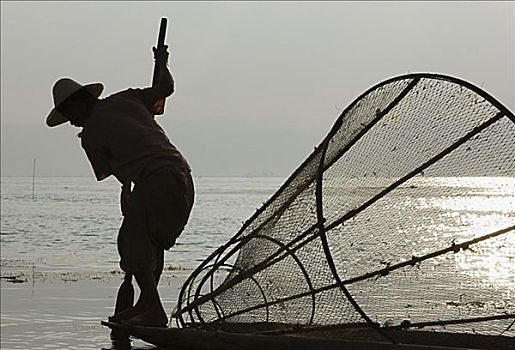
<point>486,204</point>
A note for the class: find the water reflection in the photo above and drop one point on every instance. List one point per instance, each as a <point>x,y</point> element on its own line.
<point>121,341</point>
<point>423,216</point>
<point>492,261</point>
<point>481,206</point>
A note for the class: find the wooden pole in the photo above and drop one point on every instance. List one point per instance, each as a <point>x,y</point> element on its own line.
<point>160,43</point>
<point>159,105</point>
<point>33,177</point>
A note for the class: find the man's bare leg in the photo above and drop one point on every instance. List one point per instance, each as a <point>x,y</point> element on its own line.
<point>160,257</point>
<point>153,313</point>
<point>125,296</point>
<point>140,306</point>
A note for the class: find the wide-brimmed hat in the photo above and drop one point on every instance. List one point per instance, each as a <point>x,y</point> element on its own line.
<point>63,89</point>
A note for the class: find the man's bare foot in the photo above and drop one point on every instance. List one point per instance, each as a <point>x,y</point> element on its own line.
<point>149,318</point>
<point>128,313</point>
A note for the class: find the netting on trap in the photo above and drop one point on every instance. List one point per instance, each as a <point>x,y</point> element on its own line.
<point>402,218</point>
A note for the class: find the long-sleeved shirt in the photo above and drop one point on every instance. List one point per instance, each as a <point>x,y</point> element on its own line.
<point>121,137</point>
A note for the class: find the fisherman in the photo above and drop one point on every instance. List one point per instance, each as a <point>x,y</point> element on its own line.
<point>121,138</point>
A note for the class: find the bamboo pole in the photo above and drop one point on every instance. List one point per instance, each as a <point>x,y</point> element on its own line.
<point>33,177</point>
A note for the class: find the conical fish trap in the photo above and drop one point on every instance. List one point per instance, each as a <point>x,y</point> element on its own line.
<point>403,217</point>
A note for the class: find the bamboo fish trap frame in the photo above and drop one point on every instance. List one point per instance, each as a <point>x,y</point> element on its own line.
<point>342,251</point>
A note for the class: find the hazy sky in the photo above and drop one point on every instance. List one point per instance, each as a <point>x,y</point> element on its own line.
<point>258,84</point>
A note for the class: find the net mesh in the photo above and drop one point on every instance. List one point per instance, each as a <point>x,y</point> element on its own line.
<point>403,217</point>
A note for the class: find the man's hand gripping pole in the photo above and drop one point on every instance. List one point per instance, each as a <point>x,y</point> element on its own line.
<point>159,106</point>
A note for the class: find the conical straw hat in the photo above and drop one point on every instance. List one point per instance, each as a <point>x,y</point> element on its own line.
<point>63,89</point>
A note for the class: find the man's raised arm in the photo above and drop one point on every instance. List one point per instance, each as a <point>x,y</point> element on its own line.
<point>164,86</point>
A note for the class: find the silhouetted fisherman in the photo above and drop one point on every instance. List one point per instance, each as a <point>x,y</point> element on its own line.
<point>121,138</point>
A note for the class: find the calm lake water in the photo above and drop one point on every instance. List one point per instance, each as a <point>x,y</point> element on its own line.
<point>61,247</point>
<point>72,223</point>
<point>62,242</point>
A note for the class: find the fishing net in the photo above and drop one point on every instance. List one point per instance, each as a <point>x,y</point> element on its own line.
<point>402,218</point>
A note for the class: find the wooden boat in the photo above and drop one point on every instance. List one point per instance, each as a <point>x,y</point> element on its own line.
<point>198,339</point>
